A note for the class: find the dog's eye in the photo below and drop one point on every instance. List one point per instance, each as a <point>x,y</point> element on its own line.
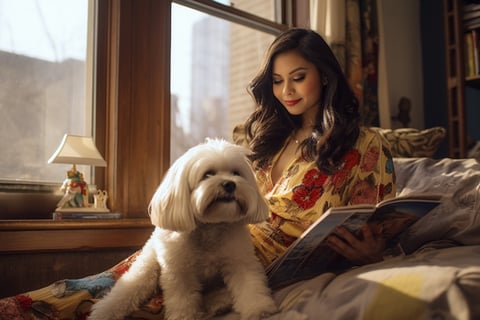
<point>236,173</point>
<point>208,174</point>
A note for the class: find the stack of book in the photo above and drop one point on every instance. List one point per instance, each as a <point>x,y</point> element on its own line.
<point>471,25</point>
<point>84,214</point>
<point>471,15</point>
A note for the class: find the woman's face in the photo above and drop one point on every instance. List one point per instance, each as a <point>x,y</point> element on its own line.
<point>296,84</point>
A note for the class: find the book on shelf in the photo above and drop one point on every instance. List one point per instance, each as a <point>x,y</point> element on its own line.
<point>310,254</point>
<point>472,56</point>
<point>469,54</point>
<point>471,24</point>
<point>469,64</point>
<point>476,62</point>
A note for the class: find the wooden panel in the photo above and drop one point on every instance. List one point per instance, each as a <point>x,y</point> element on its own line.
<point>139,103</point>
<point>22,272</point>
<point>44,236</point>
<point>36,253</point>
<point>457,136</point>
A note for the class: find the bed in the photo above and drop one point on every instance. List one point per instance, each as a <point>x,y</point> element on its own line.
<point>438,277</point>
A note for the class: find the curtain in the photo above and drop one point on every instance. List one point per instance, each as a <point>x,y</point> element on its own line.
<point>350,28</point>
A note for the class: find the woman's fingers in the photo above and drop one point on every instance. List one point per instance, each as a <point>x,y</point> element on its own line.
<point>360,250</point>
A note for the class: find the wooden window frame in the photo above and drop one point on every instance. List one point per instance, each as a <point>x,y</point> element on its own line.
<point>133,101</point>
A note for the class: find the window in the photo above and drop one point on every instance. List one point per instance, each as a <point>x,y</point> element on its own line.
<point>45,89</point>
<point>212,61</point>
<point>132,86</point>
<point>266,9</point>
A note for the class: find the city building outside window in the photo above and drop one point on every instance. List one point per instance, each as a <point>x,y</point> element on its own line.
<point>45,89</point>
<point>212,61</point>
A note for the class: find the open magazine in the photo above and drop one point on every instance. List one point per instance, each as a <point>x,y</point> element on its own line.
<point>310,255</point>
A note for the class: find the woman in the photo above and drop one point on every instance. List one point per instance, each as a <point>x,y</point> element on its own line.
<point>308,149</point>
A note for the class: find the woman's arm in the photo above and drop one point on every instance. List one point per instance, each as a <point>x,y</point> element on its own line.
<point>375,182</point>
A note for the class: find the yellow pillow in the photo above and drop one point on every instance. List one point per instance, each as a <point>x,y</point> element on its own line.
<point>404,142</point>
<point>410,142</point>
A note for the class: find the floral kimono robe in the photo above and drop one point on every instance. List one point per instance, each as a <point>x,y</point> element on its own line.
<point>303,193</point>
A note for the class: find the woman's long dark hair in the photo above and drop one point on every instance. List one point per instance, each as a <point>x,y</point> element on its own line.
<point>270,124</point>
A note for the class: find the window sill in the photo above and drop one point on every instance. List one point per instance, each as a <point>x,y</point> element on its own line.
<point>45,236</point>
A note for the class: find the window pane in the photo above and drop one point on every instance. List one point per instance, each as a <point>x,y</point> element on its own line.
<point>43,54</point>
<point>264,8</point>
<point>213,61</point>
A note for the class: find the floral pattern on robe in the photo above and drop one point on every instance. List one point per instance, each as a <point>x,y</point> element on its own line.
<point>303,193</point>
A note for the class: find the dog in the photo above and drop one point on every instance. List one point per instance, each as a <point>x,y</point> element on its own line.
<point>200,212</point>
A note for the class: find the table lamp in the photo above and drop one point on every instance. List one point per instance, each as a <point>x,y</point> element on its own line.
<point>79,150</point>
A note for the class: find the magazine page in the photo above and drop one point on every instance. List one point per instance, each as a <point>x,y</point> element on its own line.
<point>310,255</point>
<point>393,217</point>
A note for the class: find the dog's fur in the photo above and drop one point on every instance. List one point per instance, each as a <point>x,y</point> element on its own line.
<point>200,211</point>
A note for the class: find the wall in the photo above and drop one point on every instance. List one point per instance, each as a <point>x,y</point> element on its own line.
<point>412,58</point>
<point>24,272</point>
<point>400,61</point>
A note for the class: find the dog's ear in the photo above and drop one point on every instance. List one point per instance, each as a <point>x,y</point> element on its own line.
<point>170,207</point>
<point>259,209</point>
<point>259,212</point>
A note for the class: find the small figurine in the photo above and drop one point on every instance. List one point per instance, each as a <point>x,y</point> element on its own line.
<point>75,189</point>
<point>100,200</point>
<point>404,107</point>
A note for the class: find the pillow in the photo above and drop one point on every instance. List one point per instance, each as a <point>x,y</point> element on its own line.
<point>474,152</point>
<point>457,218</point>
<point>410,142</point>
<point>239,136</point>
<point>404,142</point>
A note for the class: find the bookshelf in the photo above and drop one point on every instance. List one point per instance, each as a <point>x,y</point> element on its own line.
<point>462,41</point>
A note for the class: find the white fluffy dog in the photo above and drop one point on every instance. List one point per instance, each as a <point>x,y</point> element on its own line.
<point>200,211</point>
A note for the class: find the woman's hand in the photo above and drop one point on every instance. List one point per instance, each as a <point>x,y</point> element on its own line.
<point>364,249</point>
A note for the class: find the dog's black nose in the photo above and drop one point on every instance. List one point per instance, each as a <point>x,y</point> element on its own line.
<point>229,186</point>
